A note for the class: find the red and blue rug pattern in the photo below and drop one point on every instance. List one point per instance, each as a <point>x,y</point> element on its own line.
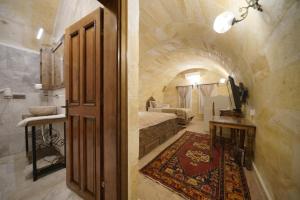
<point>184,167</point>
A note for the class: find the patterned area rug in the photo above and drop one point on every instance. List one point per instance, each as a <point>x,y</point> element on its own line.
<point>184,167</point>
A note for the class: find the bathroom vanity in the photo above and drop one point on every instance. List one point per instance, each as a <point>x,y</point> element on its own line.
<point>41,149</point>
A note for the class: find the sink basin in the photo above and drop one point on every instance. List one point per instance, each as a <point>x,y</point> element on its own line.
<point>43,110</point>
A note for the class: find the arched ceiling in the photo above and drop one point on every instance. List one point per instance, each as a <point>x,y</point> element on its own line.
<point>176,35</point>
<point>20,21</point>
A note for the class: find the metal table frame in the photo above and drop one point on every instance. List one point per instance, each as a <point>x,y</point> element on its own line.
<point>51,168</point>
<point>245,129</point>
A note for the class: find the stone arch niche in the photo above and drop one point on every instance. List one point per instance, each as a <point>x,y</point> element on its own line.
<point>158,70</point>
<point>207,75</point>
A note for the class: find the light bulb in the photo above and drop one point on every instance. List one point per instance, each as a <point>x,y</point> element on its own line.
<point>222,80</point>
<point>223,22</point>
<point>40,33</point>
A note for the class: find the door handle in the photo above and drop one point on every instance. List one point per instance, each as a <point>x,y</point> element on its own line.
<point>66,107</point>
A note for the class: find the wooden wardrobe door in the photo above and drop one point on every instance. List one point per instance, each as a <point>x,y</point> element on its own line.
<point>84,94</point>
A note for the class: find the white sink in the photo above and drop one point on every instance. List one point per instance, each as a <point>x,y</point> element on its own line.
<point>43,110</point>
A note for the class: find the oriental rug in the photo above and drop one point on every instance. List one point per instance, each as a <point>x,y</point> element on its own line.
<point>184,167</point>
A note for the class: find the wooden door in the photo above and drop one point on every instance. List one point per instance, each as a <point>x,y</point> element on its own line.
<point>84,98</point>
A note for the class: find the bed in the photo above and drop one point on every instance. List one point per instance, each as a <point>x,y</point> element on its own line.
<point>154,129</point>
<point>184,115</point>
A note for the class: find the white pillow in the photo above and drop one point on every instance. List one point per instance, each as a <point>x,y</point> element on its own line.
<point>153,104</point>
<point>156,104</point>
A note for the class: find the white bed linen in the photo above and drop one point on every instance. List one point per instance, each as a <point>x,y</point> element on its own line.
<point>183,113</point>
<point>147,119</point>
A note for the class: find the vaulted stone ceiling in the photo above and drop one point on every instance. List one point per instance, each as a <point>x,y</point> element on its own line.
<point>20,21</point>
<point>263,51</point>
<point>176,35</point>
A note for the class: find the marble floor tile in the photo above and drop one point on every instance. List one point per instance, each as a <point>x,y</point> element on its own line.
<point>16,182</point>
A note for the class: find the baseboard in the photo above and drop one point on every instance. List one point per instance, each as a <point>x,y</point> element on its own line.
<point>262,183</point>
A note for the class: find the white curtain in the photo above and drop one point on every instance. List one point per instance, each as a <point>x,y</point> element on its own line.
<point>184,96</point>
<point>205,91</point>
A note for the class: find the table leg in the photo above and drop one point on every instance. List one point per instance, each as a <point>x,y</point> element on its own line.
<point>34,167</point>
<point>249,151</point>
<point>240,133</point>
<point>50,133</point>
<point>212,140</point>
<point>242,139</point>
<point>221,136</point>
<point>235,137</point>
<point>232,135</point>
<point>65,152</point>
<point>26,139</point>
<point>214,134</point>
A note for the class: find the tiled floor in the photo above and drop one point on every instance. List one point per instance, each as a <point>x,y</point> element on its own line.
<point>16,184</point>
<point>150,190</point>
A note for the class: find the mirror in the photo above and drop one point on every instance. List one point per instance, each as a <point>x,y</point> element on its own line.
<point>52,66</point>
<point>58,65</point>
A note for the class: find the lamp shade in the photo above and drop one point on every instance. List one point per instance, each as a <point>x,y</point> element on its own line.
<point>223,22</point>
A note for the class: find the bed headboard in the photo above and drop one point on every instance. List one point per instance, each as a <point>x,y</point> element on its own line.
<point>148,102</point>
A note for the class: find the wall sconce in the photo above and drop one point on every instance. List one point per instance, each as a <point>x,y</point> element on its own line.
<point>226,20</point>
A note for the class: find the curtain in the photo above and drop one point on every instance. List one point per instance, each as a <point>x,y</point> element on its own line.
<point>204,91</point>
<point>185,96</point>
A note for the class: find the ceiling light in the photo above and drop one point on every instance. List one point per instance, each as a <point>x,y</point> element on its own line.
<point>223,22</point>
<point>226,20</point>
<point>222,80</point>
<point>193,78</point>
<point>40,33</point>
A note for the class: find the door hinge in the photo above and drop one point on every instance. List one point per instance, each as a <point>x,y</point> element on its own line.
<point>102,184</point>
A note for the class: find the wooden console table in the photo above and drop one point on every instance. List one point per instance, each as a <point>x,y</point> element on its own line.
<point>246,128</point>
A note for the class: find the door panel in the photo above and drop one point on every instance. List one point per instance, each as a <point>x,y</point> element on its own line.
<point>90,153</point>
<point>74,70</point>
<point>92,90</point>
<point>84,79</point>
<point>75,146</point>
<point>89,88</point>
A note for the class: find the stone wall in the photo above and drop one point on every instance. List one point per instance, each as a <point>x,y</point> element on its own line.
<point>133,95</point>
<point>70,11</point>
<point>20,70</point>
<point>262,51</point>
<point>20,21</point>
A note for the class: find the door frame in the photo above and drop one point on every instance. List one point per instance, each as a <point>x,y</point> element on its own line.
<point>119,8</point>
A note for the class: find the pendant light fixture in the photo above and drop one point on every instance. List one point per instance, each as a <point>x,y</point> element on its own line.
<point>226,20</point>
